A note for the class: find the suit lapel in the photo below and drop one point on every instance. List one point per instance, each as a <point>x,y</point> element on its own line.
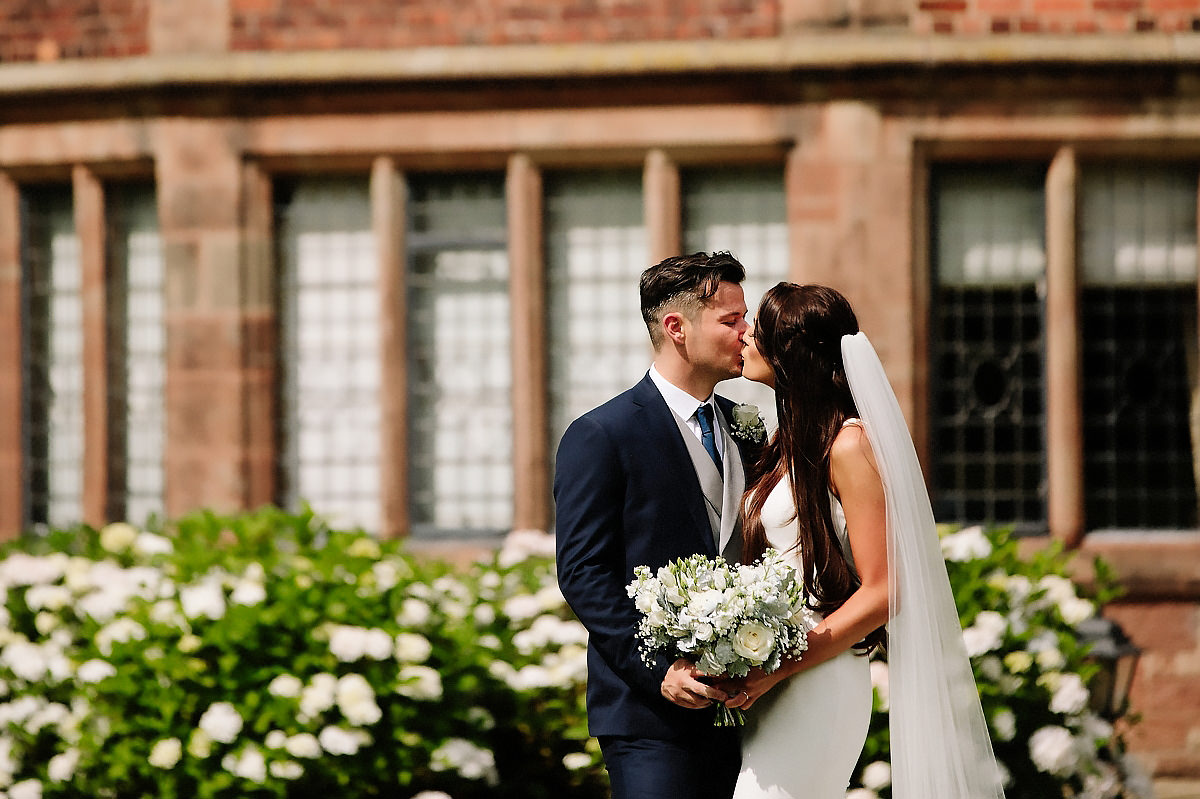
<point>730,543</point>
<point>662,434</point>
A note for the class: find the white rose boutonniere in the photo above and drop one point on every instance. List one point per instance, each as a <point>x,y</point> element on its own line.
<point>748,425</point>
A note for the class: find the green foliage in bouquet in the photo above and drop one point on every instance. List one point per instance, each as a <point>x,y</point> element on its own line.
<point>1021,617</point>
<point>266,655</point>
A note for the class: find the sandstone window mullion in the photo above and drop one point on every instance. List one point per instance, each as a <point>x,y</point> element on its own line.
<point>12,381</point>
<point>90,227</point>
<point>1064,410</point>
<point>389,199</point>
<point>531,446</point>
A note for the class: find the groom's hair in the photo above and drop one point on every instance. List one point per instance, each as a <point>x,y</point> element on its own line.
<point>684,283</point>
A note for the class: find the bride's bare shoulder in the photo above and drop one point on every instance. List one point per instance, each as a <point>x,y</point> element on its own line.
<point>851,449</point>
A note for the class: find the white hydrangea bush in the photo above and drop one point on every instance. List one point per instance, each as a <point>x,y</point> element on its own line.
<point>265,655</point>
<point>1021,621</point>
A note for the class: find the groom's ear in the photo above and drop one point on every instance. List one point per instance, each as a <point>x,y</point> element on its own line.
<point>672,324</point>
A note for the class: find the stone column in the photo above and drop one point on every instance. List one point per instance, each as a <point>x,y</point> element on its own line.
<point>389,197</point>
<point>663,215</point>
<point>530,356</point>
<point>216,347</point>
<point>849,191</point>
<point>12,470</point>
<point>1064,409</point>
<point>90,228</point>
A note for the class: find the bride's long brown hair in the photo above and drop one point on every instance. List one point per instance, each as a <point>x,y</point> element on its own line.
<point>798,331</point>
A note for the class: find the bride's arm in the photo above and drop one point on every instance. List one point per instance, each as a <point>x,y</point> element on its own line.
<point>855,480</point>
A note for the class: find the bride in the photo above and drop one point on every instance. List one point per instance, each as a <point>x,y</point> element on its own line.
<point>839,489</point>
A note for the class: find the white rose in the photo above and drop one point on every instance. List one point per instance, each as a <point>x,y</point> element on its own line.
<point>745,414</point>
<point>248,592</point>
<point>1070,695</point>
<point>419,682</point>
<point>303,744</point>
<point>249,764</point>
<point>205,598</point>
<point>25,789</point>
<point>574,761</point>
<point>880,682</point>
<point>1004,724</point>
<point>1075,610</point>
<point>356,700</point>
<point>1053,750</point>
<point>61,767</point>
<point>337,741</point>
<point>286,770</point>
<point>412,648</point>
<point>985,634</point>
<point>861,793</point>
<point>1051,659</point>
<point>47,597</point>
<point>286,686</point>
<point>318,696</point>
<point>151,544</point>
<point>221,722</point>
<point>877,775</point>
<point>118,536</point>
<point>165,754</point>
<point>968,543</point>
<point>413,613</point>
<point>754,642</point>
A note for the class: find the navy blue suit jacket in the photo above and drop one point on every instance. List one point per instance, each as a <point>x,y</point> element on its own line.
<point>626,494</point>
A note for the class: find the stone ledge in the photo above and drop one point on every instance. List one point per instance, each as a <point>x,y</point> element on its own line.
<point>512,62</point>
<point>1151,565</point>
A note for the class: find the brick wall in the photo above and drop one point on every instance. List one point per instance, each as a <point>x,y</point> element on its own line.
<point>314,24</point>
<point>1166,689</point>
<point>39,30</point>
<point>975,17</point>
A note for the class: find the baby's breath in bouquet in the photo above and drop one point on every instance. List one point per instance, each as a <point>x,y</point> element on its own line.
<point>725,619</point>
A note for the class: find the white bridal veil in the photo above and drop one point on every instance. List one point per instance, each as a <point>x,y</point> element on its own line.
<point>939,738</point>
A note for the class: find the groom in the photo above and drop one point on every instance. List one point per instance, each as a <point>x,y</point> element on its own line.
<point>650,476</point>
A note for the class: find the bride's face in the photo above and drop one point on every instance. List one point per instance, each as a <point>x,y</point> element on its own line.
<point>754,365</point>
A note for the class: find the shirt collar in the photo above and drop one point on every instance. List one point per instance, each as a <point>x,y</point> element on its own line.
<point>683,404</point>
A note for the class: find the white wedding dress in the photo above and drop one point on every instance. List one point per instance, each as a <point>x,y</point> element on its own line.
<point>803,738</point>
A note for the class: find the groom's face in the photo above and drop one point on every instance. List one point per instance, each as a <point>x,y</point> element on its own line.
<point>715,336</point>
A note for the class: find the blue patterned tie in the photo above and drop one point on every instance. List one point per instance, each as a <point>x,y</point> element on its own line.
<point>704,415</point>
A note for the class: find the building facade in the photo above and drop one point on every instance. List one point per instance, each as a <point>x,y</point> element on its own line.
<point>376,255</point>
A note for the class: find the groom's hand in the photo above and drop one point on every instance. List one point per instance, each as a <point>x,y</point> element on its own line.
<point>683,687</point>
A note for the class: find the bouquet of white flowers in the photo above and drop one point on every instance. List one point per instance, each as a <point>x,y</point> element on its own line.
<point>726,619</point>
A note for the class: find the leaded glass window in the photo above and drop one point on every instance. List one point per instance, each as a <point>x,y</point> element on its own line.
<point>987,345</point>
<point>137,353</point>
<point>53,355</point>
<point>742,210</point>
<point>330,375</point>
<point>1138,310</point>
<point>595,251</point>
<point>460,367</point>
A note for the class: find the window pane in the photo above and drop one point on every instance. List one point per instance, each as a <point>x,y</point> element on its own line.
<point>460,369</point>
<point>1138,240</point>
<point>137,353</point>
<point>986,345</point>
<point>53,346</point>
<point>595,252</point>
<point>330,351</point>
<point>742,210</point>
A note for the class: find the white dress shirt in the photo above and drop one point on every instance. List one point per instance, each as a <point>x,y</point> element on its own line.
<point>684,405</point>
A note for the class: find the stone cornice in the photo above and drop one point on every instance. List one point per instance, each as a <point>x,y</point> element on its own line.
<point>833,51</point>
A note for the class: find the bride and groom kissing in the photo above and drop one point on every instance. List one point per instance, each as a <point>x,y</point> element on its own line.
<point>657,474</point>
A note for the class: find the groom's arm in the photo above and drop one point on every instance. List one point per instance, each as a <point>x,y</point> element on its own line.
<point>589,495</point>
